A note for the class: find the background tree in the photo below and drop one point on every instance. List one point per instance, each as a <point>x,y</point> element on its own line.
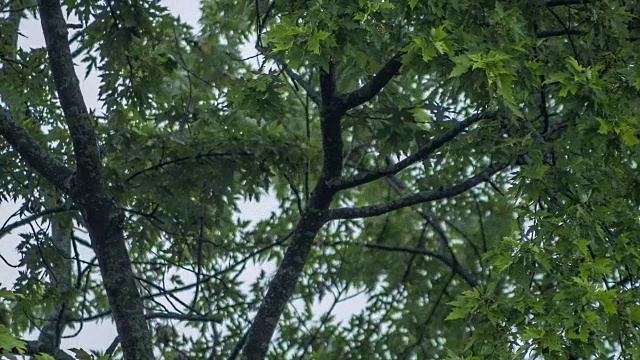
<point>469,167</point>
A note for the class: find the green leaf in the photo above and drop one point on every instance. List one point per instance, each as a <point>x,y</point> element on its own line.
<point>463,63</point>
<point>314,41</point>
<point>9,341</point>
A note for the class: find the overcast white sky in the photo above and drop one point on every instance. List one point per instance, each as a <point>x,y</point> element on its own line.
<point>100,335</point>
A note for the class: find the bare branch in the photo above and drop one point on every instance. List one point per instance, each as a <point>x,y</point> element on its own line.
<point>421,154</point>
<point>421,197</point>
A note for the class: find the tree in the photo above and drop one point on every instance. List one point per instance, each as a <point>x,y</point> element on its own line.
<point>467,166</point>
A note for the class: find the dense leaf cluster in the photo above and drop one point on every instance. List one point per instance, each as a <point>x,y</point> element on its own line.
<point>468,168</point>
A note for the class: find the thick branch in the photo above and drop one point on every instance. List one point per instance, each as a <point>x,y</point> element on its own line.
<point>284,283</point>
<point>421,154</point>
<point>375,85</point>
<point>104,219</point>
<point>85,144</point>
<point>33,153</point>
<point>421,197</point>
<point>281,288</point>
<point>330,124</point>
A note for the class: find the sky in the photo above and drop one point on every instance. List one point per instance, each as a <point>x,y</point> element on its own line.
<point>100,335</point>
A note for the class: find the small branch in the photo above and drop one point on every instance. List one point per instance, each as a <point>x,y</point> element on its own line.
<point>8,228</point>
<point>421,197</point>
<point>421,154</point>
<point>182,159</point>
<point>551,3</point>
<point>553,33</point>
<point>183,317</point>
<point>313,95</point>
<point>112,347</point>
<point>375,85</point>
<point>448,261</point>
<point>239,345</point>
<point>452,260</point>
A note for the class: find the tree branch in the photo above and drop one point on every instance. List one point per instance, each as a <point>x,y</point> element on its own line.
<point>421,197</point>
<point>83,137</point>
<point>103,217</point>
<point>8,228</point>
<point>551,3</point>
<point>183,317</point>
<point>451,263</point>
<point>284,283</point>
<point>451,259</point>
<point>552,33</point>
<point>331,126</point>
<point>313,95</point>
<point>33,153</point>
<point>400,187</point>
<point>35,348</point>
<point>421,154</point>
<point>375,85</point>
<point>209,154</point>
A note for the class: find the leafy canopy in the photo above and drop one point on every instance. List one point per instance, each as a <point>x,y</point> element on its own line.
<point>504,223</point>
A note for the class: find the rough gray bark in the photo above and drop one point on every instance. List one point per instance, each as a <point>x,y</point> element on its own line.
<point>103,218</point>
<point>85,186</point>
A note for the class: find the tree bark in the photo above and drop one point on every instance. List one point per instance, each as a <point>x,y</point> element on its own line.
<point>86,187</point>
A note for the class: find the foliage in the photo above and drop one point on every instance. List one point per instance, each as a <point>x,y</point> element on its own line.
<point>468,167</point>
